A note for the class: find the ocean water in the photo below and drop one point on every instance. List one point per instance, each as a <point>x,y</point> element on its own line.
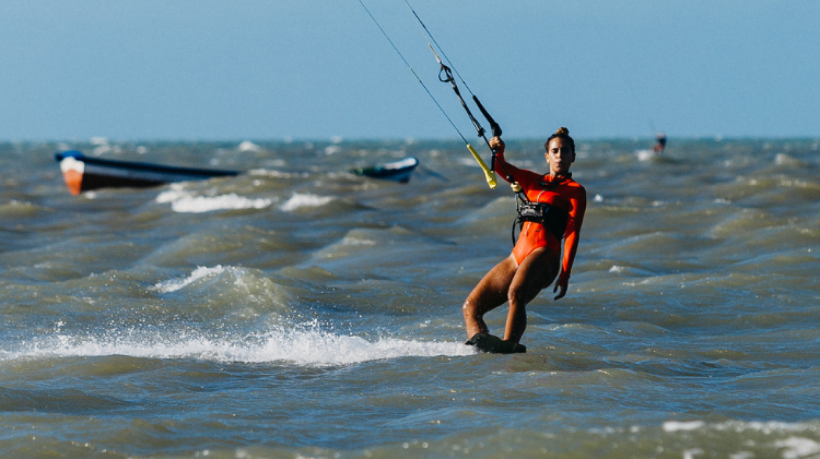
<point>301,311</point>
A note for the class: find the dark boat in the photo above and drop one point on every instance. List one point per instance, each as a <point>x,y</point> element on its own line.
<point>82,173</point>
<point>398,171</point>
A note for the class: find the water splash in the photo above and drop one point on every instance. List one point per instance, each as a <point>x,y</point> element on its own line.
<point>304,345</point>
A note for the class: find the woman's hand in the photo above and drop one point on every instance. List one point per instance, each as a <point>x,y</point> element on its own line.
<point>497,144</point>
<point>561,283</point>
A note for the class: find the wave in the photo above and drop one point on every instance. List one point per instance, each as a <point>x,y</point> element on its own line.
<point>176,284</point>
<point>185,202</point>
<point>305,200</point>
<point>247,145</point>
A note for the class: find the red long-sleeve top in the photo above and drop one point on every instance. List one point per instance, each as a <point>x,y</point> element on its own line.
<point>561,192</point>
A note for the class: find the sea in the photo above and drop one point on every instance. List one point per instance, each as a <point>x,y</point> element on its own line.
<point>299,310</point>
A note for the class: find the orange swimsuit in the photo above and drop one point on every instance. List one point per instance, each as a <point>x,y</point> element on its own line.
<point>560,192</point>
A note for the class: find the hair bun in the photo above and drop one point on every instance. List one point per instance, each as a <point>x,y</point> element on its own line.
<point>562,131</point>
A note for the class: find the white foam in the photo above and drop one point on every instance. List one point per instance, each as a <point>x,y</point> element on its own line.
<point>768,427</point>
<point>278,174</point>
<point>247,145</point>
<point>185,202</point>
<point>355,241</point>
<point>198,204</point>
<point>176,284</point>
<point>765,427</point>
<point>797,447</point>
<point>645,155</point>
<point>783,159</point>
<point>305,200</point>
<point>174,192</point>
<point>304,347</point>
<point>676,426</point>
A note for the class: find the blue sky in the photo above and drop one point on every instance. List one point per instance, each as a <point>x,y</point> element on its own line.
<point>312,69</point>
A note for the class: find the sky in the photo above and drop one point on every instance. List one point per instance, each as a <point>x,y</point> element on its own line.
<point>318,69</point>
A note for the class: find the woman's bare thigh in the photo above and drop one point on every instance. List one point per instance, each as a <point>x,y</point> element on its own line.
<point>491,291</point>
<point>534,274</point>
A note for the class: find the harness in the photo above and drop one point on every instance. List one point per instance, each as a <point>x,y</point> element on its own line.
<point>552,218</point>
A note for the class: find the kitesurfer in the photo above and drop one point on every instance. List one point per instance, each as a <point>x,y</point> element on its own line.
<point>660,143</point>
<point>536,258</point>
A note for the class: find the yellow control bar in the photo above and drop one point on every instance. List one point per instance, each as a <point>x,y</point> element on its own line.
<point>488,174</point>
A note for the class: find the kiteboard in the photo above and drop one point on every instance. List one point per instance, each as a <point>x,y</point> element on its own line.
<point>494,345</point>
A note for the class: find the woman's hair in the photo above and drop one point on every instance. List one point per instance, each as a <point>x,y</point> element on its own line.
<point>561,133</point>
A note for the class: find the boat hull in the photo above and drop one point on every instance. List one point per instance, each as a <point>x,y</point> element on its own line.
<point>85,174</point>
<point>399,171</point>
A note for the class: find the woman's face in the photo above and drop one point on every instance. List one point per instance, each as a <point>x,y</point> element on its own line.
<point>559,156</point>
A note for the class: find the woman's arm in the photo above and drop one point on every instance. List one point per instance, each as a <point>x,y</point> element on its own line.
<point>578,204</point>
<point>503,168</point>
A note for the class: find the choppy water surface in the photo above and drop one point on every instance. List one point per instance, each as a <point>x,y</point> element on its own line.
<point>302,311</point>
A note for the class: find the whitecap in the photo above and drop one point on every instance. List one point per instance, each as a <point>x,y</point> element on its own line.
<point>355,241</point>
<point>247,145</point>
<point>305,200</point>
<point>183,201</point>
<point>176,284</point>
<point>277,174</point>
<point>676,426</point>
<point>197,204</point>
<point>797,447</point>
<point>175,192</point>
<point>783,159</point>
<point>645,155</point>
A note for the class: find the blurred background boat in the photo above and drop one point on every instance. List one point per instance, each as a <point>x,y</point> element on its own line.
<point>82,173</point>
<point>398,171</point>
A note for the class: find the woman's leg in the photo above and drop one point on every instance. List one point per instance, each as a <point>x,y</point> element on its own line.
<point>535,273</point>
<point>490,293</point>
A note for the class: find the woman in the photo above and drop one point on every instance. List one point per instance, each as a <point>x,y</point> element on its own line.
<point>536,258</point>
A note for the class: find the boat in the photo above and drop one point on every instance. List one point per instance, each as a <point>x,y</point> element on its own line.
<point>82,173</point>
<point>398,171</point>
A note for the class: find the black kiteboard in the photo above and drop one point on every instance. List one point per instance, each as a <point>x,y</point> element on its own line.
<point>494,344</point>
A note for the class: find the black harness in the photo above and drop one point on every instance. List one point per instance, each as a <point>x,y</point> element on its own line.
<point>552,218</point>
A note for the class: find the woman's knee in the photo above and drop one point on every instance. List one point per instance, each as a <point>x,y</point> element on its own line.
<point>470,310</point>
<point>517,297</point>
